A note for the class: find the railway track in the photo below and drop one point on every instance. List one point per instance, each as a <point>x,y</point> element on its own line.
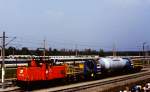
<point>87,85</point>
<point>82,87</point>
<point>92,84</point>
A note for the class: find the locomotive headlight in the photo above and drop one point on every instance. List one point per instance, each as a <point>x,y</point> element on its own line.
<point>92,75</point>
<point>132,64</point>
<point>21,71</point>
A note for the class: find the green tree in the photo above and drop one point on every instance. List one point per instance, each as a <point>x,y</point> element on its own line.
<point>101,53</point>
<point>25,51</point>
<point>10,51</point>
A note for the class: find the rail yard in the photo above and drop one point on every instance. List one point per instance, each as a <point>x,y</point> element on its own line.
<point>76,74</point>
<point>113,83</point>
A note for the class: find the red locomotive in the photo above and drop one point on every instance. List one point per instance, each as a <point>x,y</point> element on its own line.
<point>36,73</point>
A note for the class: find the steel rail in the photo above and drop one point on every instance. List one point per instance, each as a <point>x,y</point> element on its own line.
<point>82,87</point>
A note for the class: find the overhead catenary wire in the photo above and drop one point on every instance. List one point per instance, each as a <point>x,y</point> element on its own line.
<point>67,45</point>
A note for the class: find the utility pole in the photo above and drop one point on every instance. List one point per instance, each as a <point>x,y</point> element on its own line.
<point>144,61</point>
<point>44,52</point>
<point>147,51</point>
<point>114,50</point>
<point>144,48</point>
<point>1,53</point>
<point>3,57</point>
<point>3,60</point>
<point>139,50</point>
<point>76,51</point>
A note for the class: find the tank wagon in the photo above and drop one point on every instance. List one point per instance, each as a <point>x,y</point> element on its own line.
<point>70,71</point>
<point>115,64</point>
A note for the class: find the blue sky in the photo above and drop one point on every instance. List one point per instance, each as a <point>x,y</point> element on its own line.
<point>88,23</point>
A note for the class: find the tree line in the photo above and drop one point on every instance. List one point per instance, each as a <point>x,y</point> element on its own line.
<point>51,51</point>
